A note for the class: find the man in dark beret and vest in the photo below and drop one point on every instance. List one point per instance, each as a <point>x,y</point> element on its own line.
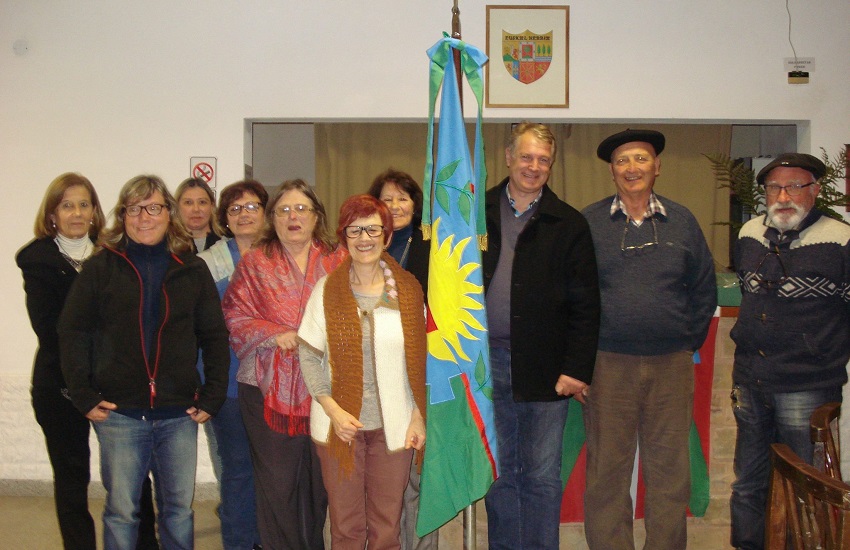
<point>792,333</point>
<point>657,282</point>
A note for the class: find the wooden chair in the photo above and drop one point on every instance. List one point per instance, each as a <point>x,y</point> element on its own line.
<point>806,507</point>
<point>824,430</point>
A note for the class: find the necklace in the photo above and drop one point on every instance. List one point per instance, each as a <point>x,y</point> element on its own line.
<point>403,261</point>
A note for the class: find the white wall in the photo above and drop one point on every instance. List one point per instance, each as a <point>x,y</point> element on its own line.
<point>116,88</point>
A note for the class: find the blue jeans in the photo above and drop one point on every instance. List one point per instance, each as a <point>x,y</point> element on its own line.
<point>524,504</point>
<point>764,418</point>
<point>129,449</point>
<point>238,511</point>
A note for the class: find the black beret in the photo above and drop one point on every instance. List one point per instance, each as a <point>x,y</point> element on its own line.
<point>606,148</point>
<point>794,160</point>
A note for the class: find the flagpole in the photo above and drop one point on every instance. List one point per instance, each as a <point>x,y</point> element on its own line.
<point>469,540</point>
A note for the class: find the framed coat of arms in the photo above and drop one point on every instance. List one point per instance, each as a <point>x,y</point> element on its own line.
<point>529,51</point>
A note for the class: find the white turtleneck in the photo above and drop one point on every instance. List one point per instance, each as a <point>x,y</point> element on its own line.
<point>76,250</point>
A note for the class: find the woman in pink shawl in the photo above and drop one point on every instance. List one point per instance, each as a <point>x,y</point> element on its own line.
<point>263,307</point>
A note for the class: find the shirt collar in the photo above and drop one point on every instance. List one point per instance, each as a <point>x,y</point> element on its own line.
<point>654,207</point>
<point>531,205</point>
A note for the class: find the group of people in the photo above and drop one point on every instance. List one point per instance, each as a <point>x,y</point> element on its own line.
<point>608,306</point>
<point>317,397</point>
<point>181,313</point>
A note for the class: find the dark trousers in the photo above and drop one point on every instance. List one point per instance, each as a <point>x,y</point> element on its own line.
<point>291,500</point>
<point>66,433</point>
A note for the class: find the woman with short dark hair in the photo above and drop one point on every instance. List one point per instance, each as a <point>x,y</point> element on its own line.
<point>363,357</point>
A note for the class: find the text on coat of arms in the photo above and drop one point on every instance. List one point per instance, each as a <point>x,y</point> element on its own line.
<point>527,55</point>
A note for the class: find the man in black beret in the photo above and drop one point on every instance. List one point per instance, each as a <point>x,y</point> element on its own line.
<point>792,333</point>
<point>659,294</point>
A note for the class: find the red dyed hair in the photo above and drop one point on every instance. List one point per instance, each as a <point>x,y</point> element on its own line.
<point>363,206</point>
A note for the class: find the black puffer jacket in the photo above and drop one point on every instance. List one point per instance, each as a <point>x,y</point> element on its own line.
<point>101,339</point>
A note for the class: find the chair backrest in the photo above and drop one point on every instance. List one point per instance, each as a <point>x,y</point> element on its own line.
<point>805,505</point>
<point>824,430</point>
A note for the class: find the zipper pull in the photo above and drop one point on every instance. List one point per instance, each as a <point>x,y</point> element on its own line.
<point>152,384</point>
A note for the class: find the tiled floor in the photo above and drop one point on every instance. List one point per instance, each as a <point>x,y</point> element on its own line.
<point>30,523</point>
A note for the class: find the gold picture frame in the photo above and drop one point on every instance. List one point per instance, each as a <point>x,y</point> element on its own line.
<point>529,52</point>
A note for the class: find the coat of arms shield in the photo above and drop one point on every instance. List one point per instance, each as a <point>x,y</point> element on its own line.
<point>527,55</point>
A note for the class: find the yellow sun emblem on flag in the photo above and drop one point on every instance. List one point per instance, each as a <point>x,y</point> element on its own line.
<point>451,298</point>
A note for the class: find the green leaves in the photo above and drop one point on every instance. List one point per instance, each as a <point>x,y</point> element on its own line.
<point>481,378</point>
<point>441,193</point>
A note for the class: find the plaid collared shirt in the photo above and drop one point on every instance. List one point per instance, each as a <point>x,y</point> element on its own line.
<point>654,207</point>
<point>517,213</point>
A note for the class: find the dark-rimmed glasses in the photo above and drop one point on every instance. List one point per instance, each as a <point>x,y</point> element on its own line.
<point>766,284</point>
<point>250,208</point>
<point>636,247</point>
<point>354,231</point>
<point>152,209</point>
<point>299,209</point>
<point>793,190</point>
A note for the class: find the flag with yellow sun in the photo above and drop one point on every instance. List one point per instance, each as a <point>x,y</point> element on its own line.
<point>460,456</point>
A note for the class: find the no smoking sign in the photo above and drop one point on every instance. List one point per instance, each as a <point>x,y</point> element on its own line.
<point>204,169</point>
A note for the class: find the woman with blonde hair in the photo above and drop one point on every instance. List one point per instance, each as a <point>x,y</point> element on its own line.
<point>133,325</point>
<point>263,306</point>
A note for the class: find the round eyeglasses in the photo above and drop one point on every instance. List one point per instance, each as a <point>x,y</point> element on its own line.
<point>152,209</point>
<point>793,190</point>
<point>249,207</point>
<point>354,231</point>
<point>299,209</point>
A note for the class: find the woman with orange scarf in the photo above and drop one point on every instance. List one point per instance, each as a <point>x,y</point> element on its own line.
<point>263,307</point>
<point>362,347</point>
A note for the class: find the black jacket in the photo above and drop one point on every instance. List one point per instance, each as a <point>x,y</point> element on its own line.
<point>554,295</point>
<point>47,279</point>
<point>101,340</point>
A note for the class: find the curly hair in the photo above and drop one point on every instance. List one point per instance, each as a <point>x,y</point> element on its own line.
<point>134,191</point>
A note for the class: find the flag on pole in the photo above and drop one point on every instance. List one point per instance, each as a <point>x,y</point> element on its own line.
<point>460,455</point>
<point>573,460</point>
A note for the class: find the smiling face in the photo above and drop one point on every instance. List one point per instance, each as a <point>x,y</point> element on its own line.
<point>784,211</point>
<point>246,224</point>
<point>400,204</point>
<point>144,228</point>
<point>195,209</point>
<point>529,166</point>
<point>634,167</point>
<point>73,214</point>
<point>366,250</point>
<point>294,229</point>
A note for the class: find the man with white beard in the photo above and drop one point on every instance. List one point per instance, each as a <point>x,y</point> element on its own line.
<point>792,333</point>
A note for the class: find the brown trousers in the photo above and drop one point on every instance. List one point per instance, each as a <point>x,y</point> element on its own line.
<point>366,505</point>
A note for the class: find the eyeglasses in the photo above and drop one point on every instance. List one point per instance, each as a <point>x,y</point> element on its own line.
<point>637,247</point>
<point>354,231</point>
<point>759,278</point>
<point>250,208</point>
<point>773,190</point>
<point>299,209</point>
<point>153,209</point>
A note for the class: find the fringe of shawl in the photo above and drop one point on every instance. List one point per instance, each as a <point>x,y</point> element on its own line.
<point>345,344</point>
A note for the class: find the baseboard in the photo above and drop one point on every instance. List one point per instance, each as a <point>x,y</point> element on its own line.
<point>42,488</point>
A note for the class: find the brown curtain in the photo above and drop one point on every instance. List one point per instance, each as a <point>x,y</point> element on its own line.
<point>350,155</point>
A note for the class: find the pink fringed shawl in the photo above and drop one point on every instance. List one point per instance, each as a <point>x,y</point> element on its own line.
<point>266,297</point>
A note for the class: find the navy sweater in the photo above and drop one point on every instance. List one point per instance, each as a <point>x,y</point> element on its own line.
<point>659,299</point>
